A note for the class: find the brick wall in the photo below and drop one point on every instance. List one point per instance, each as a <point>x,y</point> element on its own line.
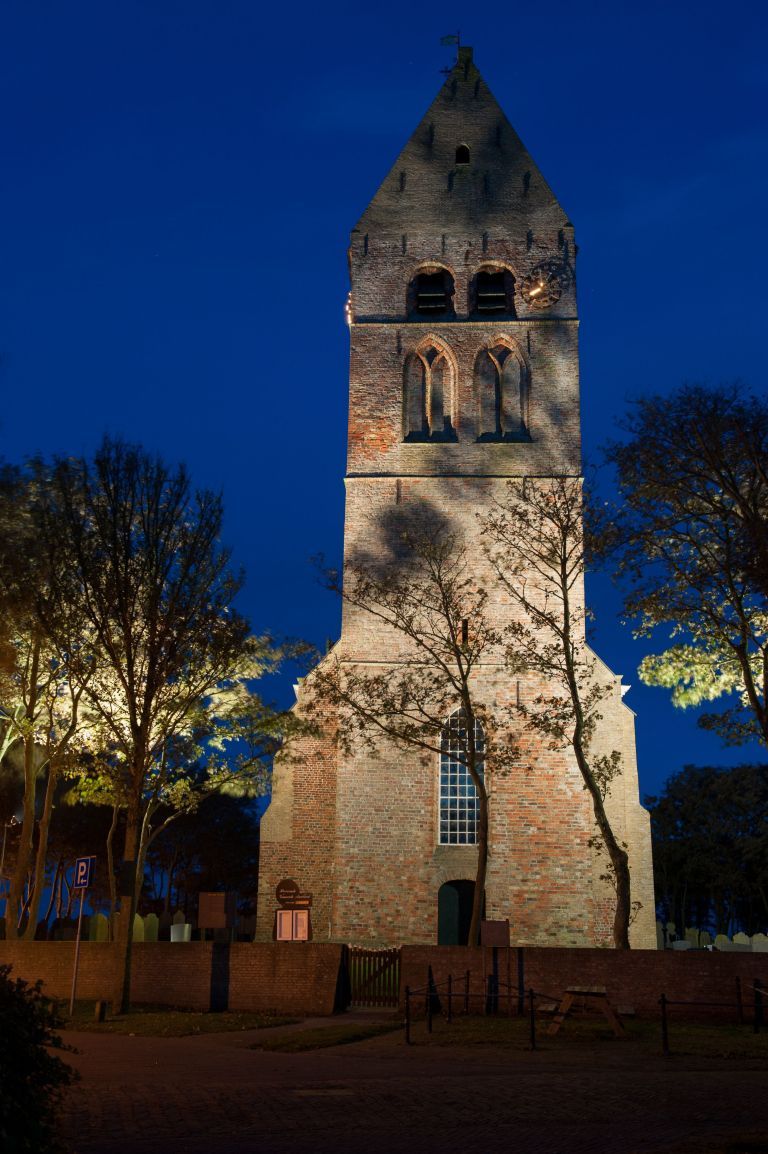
<point>302,978</point>
<point>295,978</point>
<point>52,963</point>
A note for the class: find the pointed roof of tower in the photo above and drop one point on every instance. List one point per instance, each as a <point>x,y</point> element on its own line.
<point>436,183</point>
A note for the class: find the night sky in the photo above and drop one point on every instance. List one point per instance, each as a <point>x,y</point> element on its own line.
<point>177,185</point>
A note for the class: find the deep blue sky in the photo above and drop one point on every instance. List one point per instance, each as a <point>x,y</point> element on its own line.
<point>177,184</point>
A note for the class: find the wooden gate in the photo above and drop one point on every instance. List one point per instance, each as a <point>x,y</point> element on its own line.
<point>374,977</point>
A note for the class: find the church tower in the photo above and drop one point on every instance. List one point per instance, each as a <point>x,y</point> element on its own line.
<point>463,373</point>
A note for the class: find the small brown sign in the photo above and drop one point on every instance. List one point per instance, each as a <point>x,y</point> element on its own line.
<point>290,897</point>
<point>287,891</point>
<point>216,911</point>
<point>494,933</point>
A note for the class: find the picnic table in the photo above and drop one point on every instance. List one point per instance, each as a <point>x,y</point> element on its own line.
<point>586,998</point>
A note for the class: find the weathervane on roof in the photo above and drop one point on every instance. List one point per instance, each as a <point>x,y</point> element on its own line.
<point>449,42</point>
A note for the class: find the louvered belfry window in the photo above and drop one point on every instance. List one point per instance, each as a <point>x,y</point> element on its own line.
<point>491,293</point>
<point>431,293</point>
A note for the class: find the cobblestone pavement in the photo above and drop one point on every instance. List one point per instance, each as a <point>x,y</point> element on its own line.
<point>213,1095</point>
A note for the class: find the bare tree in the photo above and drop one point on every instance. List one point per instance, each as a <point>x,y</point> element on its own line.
<point>535,541</point>
<point>423,590</point>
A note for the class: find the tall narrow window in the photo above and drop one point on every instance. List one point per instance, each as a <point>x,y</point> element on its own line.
<point>458,797</point>
<point>501,392</point>
<point>415,399</point>
<point>428,396</point>
<point>430,294</point>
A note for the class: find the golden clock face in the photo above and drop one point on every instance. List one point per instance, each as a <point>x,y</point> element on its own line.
<point>544,284</point>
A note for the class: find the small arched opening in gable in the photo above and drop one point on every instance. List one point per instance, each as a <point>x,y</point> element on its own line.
<point>430,293</point>
<point>492,293</point>
<point>462,154</point>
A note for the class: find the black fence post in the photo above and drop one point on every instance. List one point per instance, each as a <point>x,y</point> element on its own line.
<point>758,1019</point>
<point>532,1014</point>
<point>492,994</point>
<point>520,982</point>
<point>664,1026</point>
<point>450,999</point>
<point>407,1015</point>
<point>433,997</point>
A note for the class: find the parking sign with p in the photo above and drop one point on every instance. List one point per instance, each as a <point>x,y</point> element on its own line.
<point>83,872</point>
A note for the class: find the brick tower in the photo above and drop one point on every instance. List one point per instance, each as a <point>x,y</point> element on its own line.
<point>463,373</point>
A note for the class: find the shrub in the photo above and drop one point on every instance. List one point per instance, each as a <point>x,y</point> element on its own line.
<point>31,1078</point>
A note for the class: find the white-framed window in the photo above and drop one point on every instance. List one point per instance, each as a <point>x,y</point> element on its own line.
<point>458,796</point>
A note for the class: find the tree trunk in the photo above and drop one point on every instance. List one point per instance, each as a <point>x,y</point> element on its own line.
<point>55,884</point>
<point>16,890</point>
<point>619,860</point>
<point>20,874</point>
<point>618,857</point>
<point>478,900</point>
<point>128,900</point>
<point>42,853</point>
<point>111,880</point>
<point>473,937</point>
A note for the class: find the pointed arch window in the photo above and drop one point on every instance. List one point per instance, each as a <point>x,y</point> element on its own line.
<point>459,805</point>
<point>501,389</point>
<point>428,396</point>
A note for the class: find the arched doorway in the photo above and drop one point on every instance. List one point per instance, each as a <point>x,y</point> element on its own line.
<point>454,912</point>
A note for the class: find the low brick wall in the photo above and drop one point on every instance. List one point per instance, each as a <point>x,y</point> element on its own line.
<point>52,963</point>
<point>296,977</point>
<point>302,977</point>
<point>634,978</point>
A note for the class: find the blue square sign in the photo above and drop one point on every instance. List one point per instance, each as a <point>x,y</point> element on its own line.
<point>83,872</point>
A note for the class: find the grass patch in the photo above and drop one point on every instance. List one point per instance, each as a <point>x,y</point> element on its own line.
<point>150,1023</point>
<point>319,1039</point>
<point>686,1039</point>
<point>717,1041</point>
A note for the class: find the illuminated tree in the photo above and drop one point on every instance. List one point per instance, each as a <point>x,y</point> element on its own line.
<point>141,558</point>
<point>691,536</point>
<point>41,687</point>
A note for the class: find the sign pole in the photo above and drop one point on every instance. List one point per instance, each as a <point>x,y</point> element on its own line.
<point>77,954</point>
<point>83,871</point>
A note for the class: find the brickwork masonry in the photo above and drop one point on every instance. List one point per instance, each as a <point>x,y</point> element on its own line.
<point>304,978</point>
<point>288,978</point>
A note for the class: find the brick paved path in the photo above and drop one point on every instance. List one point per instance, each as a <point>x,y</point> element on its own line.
<point>212,1095</point>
